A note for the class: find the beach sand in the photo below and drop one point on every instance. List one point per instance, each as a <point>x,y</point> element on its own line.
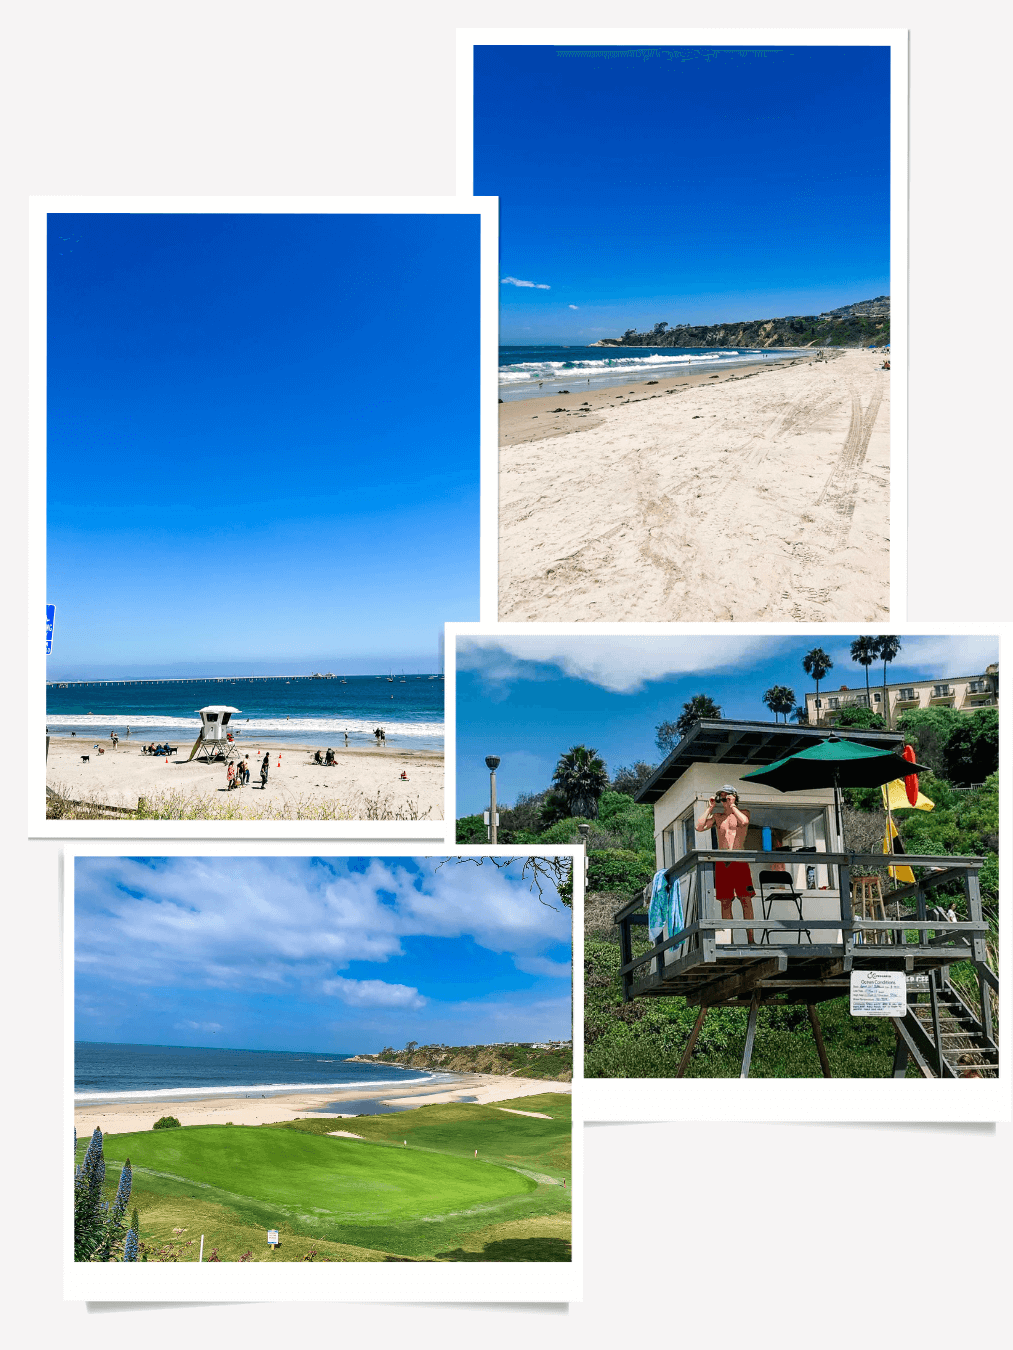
<point>775,508</point>
<point>126,1117</point>
<point>121,776</point>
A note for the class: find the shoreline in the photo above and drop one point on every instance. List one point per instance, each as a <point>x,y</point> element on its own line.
<point>604,383</point>
<point>361,776</point>
<point>515,415</point>
<point>130,1117</point>
<point>776,508</point>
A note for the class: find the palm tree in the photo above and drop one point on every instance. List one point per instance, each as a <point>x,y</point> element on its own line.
<point>780,699</point>
<point>888,649</point>
<point>865,650</point>
<point>581,777</point>
<point>668,734</point>
<point>817,664</point>
<point>800,714</point>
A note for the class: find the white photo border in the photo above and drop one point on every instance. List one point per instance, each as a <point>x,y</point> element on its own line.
<point>356,1282</point>
<point>487,209</point>
<point>795,1100</point>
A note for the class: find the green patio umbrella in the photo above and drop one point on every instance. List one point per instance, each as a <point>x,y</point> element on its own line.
<point>837,764</point>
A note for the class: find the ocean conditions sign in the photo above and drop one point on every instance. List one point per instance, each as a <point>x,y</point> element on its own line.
<point>272,1237</point>
<point>50,616</point>
<point>878,993</point>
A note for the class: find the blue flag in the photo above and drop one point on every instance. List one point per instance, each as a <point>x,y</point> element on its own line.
<point>50,614</point>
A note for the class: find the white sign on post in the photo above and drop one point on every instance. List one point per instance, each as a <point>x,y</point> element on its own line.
<point>272,1237</point>
<point>878,993</point>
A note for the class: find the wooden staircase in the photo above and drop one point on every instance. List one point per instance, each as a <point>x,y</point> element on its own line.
<point>944,1037</point>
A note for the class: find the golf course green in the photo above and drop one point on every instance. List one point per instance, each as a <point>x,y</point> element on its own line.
<point>423,1201</point>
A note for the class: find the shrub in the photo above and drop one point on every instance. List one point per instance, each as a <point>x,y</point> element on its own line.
<point>99,1228</point>
<point>619,871</point>
<point>167,1123</point>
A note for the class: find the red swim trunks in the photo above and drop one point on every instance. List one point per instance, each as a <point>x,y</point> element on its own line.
<point>733,880</point>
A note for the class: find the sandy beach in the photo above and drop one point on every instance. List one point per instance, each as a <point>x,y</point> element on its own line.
<point>350,788</point>
<point>126,1117</point>
<point>614,505</point>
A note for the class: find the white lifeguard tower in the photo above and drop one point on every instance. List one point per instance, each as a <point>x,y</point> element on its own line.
<point>216,739</point>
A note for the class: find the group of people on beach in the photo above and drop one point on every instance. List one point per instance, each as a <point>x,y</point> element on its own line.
<point>159,749</point>
<point>238,775</point>
<point>381,735</point>
<point>326,759</point>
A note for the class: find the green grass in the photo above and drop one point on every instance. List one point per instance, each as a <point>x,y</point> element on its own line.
<point>369,1199</point>
<point>646,1038</point>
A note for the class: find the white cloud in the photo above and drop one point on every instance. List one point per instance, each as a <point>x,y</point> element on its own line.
<point>533,285</point>
<point>573,306</point>
<point>622,664</point>
<point>280,924</point>
<point>373,993</point>
<point>197,1026</point>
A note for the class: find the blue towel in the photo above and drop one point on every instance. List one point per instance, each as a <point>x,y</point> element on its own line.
<point>676,918</point>
<point>658,910</point>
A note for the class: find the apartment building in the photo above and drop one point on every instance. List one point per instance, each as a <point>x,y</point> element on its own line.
<point>965,693</point>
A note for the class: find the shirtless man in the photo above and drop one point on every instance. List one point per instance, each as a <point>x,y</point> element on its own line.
<point>732,880</point>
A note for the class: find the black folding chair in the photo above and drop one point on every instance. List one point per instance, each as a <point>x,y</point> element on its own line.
<point>775,886</point>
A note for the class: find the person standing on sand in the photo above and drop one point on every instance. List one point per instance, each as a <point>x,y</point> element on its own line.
<point>230,777</point>
<point>264,766</point>
<point>732,880</point>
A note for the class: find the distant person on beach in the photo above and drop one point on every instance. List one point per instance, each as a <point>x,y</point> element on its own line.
<point>246,770</point>
<point>230,777</point>
<point>114,738</point>
<point>329,758</point>
<point>732,880</point>
<point>264,766</point>
<point>318,758</point>
<point>346,740</point>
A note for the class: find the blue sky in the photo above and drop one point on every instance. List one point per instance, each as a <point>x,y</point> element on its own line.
<point>528,699</point>
<point>346,954</point>
<point>247,462</point>
<point>697,186</point>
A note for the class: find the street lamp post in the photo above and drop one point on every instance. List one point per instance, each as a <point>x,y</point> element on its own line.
<point>492,762</point>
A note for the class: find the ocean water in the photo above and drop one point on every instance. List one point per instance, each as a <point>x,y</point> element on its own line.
<point>121,1073</point>
<point>296,708</point>
<point>527,372</point>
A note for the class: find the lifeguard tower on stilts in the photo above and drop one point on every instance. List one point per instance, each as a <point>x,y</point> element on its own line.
<point>821,915</point>
<point>216,740</point>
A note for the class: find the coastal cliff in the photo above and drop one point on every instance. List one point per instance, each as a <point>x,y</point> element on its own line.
<point>864,324</point>
<point>554,1062</point>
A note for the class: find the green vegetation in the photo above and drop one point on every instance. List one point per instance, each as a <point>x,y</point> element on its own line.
<point>166,1123</point>
<point>840,328</point>
<point>368,1198</point>
<point>646,1038</point>
<point>523,1060</point>
<point>667,735</point>
<point>100,1230</point>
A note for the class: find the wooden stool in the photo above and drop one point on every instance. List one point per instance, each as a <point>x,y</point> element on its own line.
<point>868,892</point>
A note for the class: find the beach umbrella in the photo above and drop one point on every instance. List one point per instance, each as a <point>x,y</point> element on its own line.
<point>834,763</point>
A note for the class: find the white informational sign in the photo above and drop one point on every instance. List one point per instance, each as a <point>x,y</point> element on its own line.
<point>272,1237</point>
<point>878,993</point>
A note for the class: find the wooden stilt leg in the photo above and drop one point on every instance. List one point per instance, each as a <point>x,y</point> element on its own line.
<point>691,1042</point>
<point>814,1022</point>
<point>747,1053</point>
